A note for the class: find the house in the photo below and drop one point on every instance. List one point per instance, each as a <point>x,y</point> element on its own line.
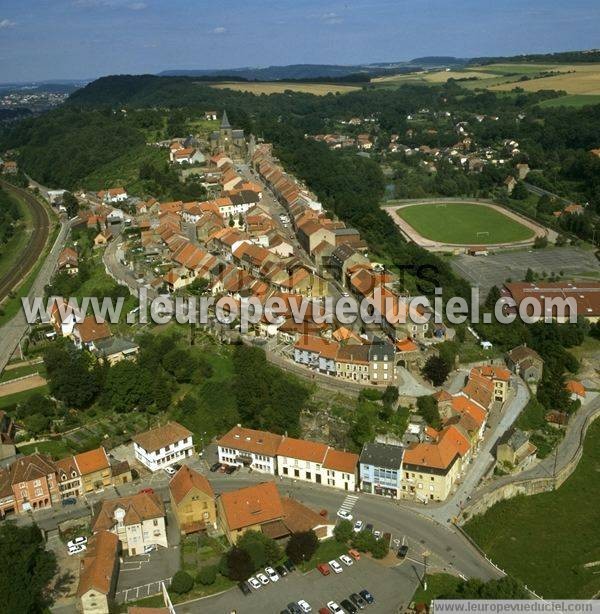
<point>523,170</point>
<point>9,167</point>
<point>526,363</point>
<point>89,331</point>
<point>113,195</point>
<point>249,448</point>
<point>115,349</point>
<point>102,238</point>
<point>431,468</point>
<point>380,469</point>
<point>210,116</point>
<point>514,450</point>
<point>138,521</point>
<point>163,446</point>
<point>69,478</point>
<point>187,155</point>
<point>192,501</point>
<point>8,431</point>
<point>98,574</point>
<point>261,508</point>
<point>94,469</point>
<point>510,183</point>
<point>576,390</point>
<point>499,376</point>
<point>68,261</point>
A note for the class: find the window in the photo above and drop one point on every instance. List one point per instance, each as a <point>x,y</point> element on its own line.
<point>155,522</point>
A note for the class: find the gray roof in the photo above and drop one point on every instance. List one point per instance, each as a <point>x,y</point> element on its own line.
<point>380,348</point>
<point>515,438</point>
<point>225,121</point>
<point>382,455</point>
<point>114,345</point>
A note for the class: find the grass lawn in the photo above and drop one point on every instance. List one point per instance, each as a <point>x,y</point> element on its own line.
<point>327,550</point>
<point>12,251</point>
<point>461,222</point>
<point>546,540</point>
<point>13,399</point>
<point>572,100</point>
<point>57,448</point>
<point>8,375</point>
<point>438,585</point>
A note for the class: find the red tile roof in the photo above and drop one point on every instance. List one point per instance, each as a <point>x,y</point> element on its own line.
<point>253,505</point>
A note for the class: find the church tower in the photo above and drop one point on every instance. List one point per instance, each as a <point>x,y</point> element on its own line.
<point>226,133</point>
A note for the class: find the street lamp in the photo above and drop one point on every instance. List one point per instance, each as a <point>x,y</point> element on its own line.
<point>425,555</point>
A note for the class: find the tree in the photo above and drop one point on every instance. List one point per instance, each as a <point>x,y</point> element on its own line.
<point>492,298</point>
<point>71,204</point>
<point>36,424</point>
<point>363,541</point>
<point>343,531</point>
<point>301,546</point>
<point>427,407</point>
<point>529,276</point>
<point>207,575</point>
<point>436,370</point>
<point>520,192</point>
<point>390,395</point>
<point>362,430</point>
<point>127,387</point>
<point>239,564</point>
<point>26,568</point>
<point>380,548</point>
<point>182,582</point>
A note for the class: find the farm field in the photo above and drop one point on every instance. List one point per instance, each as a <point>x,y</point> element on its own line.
<point>555,565</point>
<point>318,89</point>
<point>463,223</point>
<point>572,100</point>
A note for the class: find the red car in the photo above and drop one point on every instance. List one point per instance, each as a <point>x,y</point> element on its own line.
<point>147,491</point>
<point>324,569</point>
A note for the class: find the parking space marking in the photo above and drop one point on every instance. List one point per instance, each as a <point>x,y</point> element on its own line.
<point>140,592</point>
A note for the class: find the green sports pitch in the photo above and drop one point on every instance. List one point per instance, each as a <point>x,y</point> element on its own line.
<point>463,224</point>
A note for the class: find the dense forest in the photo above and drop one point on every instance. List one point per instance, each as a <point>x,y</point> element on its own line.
<point>9,216</point>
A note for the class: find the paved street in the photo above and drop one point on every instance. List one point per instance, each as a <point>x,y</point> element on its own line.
<point>392,588</point>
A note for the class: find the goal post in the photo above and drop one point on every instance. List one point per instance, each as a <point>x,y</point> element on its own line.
<point>483,233</point>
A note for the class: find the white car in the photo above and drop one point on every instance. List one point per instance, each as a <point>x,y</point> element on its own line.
<point>170,471</point>
<point>304,605</point>
<point>77,541</point>
<point>358,526</point>
<point>262,578</point>
<point>254,583</point>
<point>337,568</point>
<point>346,560</point>
<point>150,548</point>
<point>273,575</point>
<point>344,515</point>
<point>77,549</point>
<point>376,534</point>
<point>334,607</point>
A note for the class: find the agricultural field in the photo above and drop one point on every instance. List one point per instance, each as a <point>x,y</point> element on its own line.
<point>318,89</point>
<point>463,224</point>
<point>572,100</point>
<point>561,562</point>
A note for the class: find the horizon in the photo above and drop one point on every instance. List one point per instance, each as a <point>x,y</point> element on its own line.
<point>88,39</point>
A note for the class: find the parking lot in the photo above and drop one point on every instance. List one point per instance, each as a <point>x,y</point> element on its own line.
<point>486,271</point>
<point>392,588</point>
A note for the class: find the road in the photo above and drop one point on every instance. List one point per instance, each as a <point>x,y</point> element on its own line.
<point>40,227</point>
<point>541,192</point>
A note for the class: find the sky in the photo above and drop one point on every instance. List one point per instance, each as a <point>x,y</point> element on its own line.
<point>82,39</point>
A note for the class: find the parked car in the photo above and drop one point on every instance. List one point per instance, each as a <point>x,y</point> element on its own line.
<point>294,608</point>
<point>289,565</point>
<point>281,570</point>
<point>244,587</point>
<point>334,607</point>
<point>376,534</point>
<point>76,549</point>
<point>324,569</point>
<point>147,491</point>
<point>355,554</point>
<point>272,574</point>
<point>304,606</point>
<point>77,541</point>
<point>337,568</point>
<point>170,471</point>
<point>150,548</point>
<point>344,515</point>
<point>176,466</point>
<point>349,606</point>
<point>358,526</point>
<point>402,551</point>
<point>254,583</point>
<point>215,467</point>
<point>346,560</point>
<point>369,528</point>
<point>231,469</point>
<point>69,501</point>
<point>358,601</point>
<point>262,578</point>
<point>366,596</point>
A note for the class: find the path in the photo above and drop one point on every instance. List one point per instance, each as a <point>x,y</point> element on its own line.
<point>20,384</point>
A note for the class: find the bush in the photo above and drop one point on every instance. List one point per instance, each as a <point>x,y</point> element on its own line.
<point>380,548</point>
<point>207,575</point>
<point>182,583</point>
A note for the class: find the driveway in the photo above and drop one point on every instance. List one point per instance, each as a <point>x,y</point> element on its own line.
<point>392,588</point>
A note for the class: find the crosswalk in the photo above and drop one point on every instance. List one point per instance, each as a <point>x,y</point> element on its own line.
<point>349,503</point>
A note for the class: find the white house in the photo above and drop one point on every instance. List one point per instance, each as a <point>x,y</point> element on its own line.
<point>113,195</point>
<point>163,446</point>
<point>249,448</point>
<point>138,521</point>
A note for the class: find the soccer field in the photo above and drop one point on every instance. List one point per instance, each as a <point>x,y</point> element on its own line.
<point>463,224</point>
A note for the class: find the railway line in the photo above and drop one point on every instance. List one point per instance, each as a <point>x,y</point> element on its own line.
<point>35,245</point>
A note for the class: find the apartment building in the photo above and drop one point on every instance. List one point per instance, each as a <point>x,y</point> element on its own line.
<point>249,448</point>
<point>380,469</point>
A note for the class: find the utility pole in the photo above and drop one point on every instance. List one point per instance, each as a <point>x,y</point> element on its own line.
<point>425,555</point>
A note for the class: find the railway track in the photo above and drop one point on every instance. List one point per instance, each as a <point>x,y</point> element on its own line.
<point>35,245</point>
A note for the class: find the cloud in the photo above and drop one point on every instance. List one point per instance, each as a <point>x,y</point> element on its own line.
<point>133,6</point>
<point>331,18</point>
<point>219,30</point>
<point>137,6</point>
<point>6,23</point>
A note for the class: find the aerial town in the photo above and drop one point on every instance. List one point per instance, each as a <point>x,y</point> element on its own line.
<point>392,386</point>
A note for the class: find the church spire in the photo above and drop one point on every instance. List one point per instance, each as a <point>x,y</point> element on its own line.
<point>225,122</point>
